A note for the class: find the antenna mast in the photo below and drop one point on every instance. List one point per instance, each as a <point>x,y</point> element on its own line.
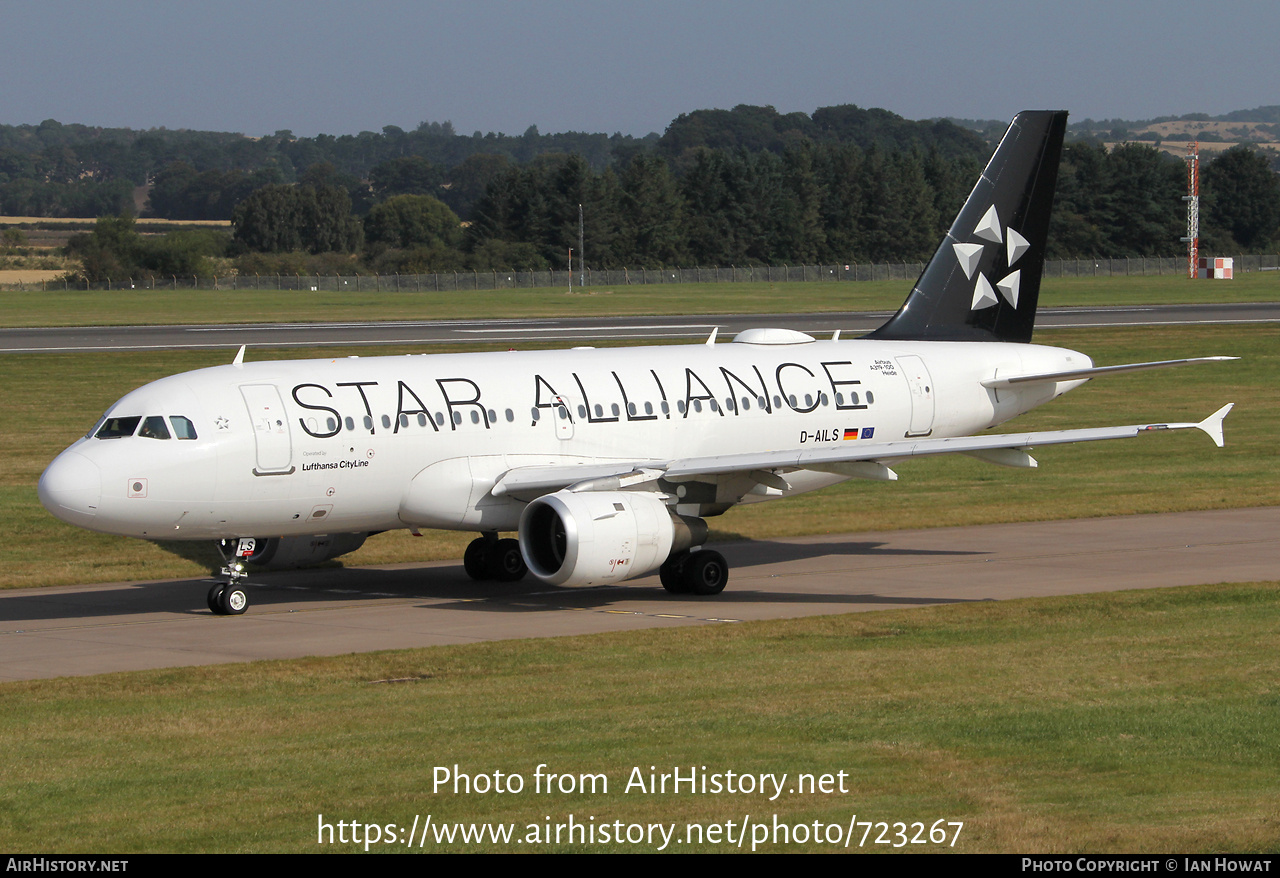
<point>1192,198</point>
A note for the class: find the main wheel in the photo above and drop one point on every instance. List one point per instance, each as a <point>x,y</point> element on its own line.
<point>234,600</point>
<point>706,572</point>
<point>475,560</point>
<point>672,573</point>
<point>214,598</point>
<point>506,564</point>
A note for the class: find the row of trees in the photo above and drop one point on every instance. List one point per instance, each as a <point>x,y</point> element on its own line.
<point>53,169</point>
<point>812,203</point>
<point>744,186</point>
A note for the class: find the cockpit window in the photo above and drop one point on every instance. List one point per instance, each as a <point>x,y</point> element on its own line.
<point>182,427</point>
<point>114,428</point>
<point>154,428</point>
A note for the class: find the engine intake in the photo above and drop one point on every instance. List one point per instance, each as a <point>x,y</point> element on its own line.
<point>595,538</point>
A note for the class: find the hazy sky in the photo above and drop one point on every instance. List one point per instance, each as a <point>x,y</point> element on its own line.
<point>257,66</point>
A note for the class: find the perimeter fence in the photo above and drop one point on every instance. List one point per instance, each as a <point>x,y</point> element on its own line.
<point>462,281</point>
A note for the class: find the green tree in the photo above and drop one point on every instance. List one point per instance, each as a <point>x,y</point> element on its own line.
<point>112,250</point>
<point>1242,198</point>
<point>408,175</point>
<point>899,216</point>
<point>115,250</point>
<point>1082,215</point>
<point>709,203</point>
<point>411,220</point>
<point>281,218</point>
<point>1145,201</point>
<point>839,168</point>
<point>270,220</point>
<point>801,236</point>
<point>465,184</point>
<point>651,214</point>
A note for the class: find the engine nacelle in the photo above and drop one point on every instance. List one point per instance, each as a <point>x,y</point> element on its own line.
<point>279,553</point>
<point>595,538</point>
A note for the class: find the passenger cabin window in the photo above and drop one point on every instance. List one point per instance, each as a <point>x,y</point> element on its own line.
<point>154,428</point>
<point>114,428</point>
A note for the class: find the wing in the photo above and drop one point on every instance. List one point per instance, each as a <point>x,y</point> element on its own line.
<point>867,460</point>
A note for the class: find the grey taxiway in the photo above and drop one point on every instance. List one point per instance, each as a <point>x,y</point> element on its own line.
<point>91,629</point>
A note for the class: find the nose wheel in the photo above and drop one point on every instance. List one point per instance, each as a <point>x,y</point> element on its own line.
<point>227,599</point>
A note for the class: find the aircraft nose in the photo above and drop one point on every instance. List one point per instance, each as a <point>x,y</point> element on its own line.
<point>71,488</point>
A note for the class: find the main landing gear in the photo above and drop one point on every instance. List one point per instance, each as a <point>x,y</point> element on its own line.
<point>489,558</point>
<point>704,572</point>
<point>230,598</point>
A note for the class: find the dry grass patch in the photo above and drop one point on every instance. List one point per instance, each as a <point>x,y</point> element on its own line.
<point>28,275</point>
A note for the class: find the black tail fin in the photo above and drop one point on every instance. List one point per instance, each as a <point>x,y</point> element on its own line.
<point>984,281</point>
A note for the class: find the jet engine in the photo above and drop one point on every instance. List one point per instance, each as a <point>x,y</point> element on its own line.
<point>279,553</point>
<point>595,538</point>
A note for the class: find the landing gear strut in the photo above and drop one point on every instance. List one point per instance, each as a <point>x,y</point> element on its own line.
<point>230,598</point>
<point>704,572</point>
<point>489,558</point>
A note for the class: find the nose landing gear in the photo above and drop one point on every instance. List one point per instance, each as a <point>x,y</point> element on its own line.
<point>230,598</point>
<point>227,599</point>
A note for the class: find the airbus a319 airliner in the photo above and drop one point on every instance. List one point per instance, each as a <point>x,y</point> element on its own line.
<point>605,462</point>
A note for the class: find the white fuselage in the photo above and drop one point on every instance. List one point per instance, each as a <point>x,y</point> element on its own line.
<point>288,448</point>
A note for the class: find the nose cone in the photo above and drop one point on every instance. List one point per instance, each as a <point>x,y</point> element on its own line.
<point>71,488</point>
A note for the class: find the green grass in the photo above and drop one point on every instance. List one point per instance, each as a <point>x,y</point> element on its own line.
<point>135,307</point>
<point>1136,721</point>
<point>53,398</point>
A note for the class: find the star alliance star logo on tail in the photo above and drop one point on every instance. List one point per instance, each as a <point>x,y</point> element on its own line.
<point>969,255</point>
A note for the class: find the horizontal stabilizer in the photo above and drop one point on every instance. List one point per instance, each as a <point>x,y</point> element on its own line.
<point>1095,372</point>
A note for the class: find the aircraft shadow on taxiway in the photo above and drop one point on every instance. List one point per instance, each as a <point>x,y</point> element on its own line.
<point>274,591</point>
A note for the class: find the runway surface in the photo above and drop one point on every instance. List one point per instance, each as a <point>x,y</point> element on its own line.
<point>568,330</point>
<point>93,629</point>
